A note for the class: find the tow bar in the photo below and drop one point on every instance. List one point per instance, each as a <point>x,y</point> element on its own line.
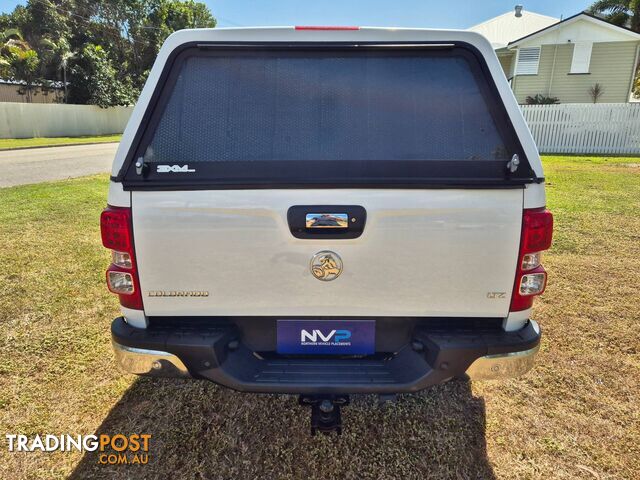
<point>325,412</point>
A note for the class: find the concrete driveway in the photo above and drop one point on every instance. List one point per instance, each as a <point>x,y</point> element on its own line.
<point>35,165</point>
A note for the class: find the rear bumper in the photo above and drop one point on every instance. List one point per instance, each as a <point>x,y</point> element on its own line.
<point>218,354</point>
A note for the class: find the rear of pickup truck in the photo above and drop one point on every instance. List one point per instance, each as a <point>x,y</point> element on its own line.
<point>326,211</point>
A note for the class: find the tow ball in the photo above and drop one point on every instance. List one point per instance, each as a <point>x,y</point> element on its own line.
<point>325,412</point>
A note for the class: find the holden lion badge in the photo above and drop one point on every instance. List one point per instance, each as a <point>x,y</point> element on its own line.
<point>326,265</point>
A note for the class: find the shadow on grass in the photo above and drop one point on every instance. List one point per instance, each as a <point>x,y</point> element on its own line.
<point>200,430</point>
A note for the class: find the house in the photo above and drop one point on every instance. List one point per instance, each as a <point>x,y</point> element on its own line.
<point>564,58</point>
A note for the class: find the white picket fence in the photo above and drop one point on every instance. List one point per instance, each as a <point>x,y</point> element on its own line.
<point>607,128</point>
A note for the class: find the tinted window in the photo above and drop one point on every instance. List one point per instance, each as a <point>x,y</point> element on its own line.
<point>325,106</point>
<point>331,116</point>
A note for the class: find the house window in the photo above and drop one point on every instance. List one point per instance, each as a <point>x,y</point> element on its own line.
<point>528,60</point>
<point>581,57</point>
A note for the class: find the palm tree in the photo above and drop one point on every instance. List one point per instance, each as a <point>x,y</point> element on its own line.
<point>24,66</point>
<point>62,51</point>
<point>19,61</point>
<point>624,13</point>
<point>12,37</point>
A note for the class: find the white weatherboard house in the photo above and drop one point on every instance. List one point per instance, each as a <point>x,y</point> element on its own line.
<point>564,58</point>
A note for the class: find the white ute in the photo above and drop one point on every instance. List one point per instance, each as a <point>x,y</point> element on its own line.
<point>326,211</point>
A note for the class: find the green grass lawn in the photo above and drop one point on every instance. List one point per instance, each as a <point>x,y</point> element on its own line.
<point>11,143</point>
<point>575,415</point>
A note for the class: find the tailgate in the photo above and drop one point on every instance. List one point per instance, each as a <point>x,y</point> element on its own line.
<point>440,252</point>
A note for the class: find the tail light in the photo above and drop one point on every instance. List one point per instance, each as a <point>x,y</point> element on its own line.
<point>122,274</point>
<point>531,277</point>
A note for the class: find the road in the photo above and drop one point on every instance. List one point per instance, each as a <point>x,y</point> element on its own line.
<point>35,165</point>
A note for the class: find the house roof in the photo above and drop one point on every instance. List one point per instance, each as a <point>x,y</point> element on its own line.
<point>506,28</point>
<point>577,17</point>
<point>49,84</point>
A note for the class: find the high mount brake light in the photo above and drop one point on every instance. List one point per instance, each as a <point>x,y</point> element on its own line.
<point>323,27</point>
<point>122,274</point>
<point>531,277</point>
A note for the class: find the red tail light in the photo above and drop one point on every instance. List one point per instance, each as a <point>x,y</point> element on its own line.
<point>531,277</point>
<point>122,274</point>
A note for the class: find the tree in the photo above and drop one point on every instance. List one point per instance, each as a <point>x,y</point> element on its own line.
<point>19,61</point>
<point>65,35</point>
<point>11,37</point>
<point>94,80</point>
<point>164,18</point>
<point>23,66</point>
<point>60,53</point>
<point>7,38</point>
<point>624,13</point>
<point>187,14</point>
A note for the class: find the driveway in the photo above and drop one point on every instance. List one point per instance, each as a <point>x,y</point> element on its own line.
<point>35,165</point>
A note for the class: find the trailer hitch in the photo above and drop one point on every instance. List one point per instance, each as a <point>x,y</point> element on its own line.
<point>325,412</point>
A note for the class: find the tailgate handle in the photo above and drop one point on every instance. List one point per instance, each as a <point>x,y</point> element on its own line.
<point>326,221</point>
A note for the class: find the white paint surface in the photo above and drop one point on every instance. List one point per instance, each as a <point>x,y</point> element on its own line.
<point>422,253</point>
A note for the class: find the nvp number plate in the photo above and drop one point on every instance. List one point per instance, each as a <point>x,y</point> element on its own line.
<point>326,337</point>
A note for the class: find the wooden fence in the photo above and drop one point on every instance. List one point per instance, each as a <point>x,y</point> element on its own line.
<point>607,128</point>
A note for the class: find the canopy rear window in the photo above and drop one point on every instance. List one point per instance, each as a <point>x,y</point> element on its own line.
<point>332,116</point>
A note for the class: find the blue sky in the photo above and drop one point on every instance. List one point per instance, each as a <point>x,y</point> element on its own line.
<point>400,13</point>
